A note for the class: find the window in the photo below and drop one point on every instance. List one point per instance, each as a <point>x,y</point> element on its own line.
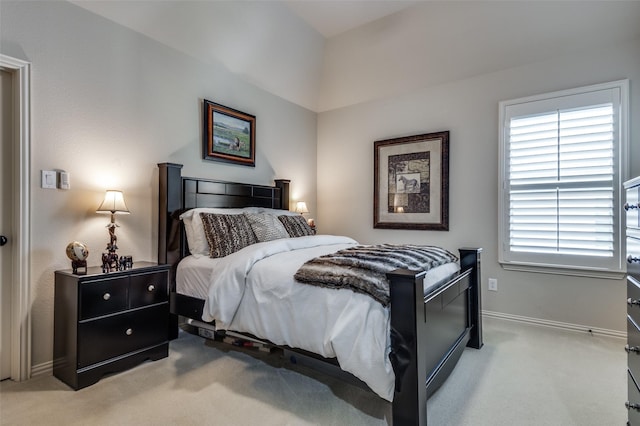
<point>563,160</point>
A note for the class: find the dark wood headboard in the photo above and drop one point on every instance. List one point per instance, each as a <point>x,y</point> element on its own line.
<point>178,194</point>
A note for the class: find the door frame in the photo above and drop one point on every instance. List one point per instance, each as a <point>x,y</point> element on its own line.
<point>21,254</point>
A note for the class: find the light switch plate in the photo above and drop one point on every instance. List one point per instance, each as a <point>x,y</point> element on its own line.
<point>49,179</point>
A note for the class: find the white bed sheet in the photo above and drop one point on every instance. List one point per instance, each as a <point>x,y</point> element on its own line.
<point>261,297</point>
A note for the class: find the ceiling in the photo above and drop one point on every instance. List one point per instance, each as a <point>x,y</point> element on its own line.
<point>328,54</point>
<point>333,17</point>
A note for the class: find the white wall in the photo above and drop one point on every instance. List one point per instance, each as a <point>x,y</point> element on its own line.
<point>107,105</point>
<point>435,42</point>
<point>468,108</point>
<point>265,42</point>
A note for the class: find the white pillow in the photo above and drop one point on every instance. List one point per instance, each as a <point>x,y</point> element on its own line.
<point>196,237</point>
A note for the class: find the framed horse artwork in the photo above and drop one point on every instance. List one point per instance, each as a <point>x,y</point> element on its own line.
<point>411,182</point>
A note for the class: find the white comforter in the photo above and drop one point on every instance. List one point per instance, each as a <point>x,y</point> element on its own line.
<point>253,291</point>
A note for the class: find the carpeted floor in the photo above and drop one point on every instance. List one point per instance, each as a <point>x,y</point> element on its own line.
<point>524,375</point>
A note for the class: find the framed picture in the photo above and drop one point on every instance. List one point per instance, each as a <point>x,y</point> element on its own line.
<point>228,135</point>
<point>411,182</point>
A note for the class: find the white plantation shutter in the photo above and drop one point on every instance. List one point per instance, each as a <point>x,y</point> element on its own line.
<point>561,182</point>
<point>561,179</point>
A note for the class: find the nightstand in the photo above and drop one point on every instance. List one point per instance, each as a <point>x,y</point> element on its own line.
<point>108,322</point>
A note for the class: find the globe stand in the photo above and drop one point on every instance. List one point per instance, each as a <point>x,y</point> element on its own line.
<point>75,264</point>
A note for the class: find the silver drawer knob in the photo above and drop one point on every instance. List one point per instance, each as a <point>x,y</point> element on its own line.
<point>106,296</point>
<point>628,206</point>
<point>129,332</point>
<point>631,406</point>
<point>628,348</point>
<point>631,259</point>
<point>151,287</point>
<point>632,302</point>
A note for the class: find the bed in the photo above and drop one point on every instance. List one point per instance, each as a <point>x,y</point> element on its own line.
<point>403,350</point>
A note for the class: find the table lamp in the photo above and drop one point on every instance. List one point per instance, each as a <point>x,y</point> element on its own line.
<point>113,203</point>
<point>301,207</point>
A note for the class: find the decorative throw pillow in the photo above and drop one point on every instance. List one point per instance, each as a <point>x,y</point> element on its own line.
<point>266,227</point>
<point>196,238</point>
<point>227,233</point>
<point>296,225</point>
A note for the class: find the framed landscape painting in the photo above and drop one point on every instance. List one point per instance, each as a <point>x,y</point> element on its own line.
<point>411,182</point>
<point>229,135</point>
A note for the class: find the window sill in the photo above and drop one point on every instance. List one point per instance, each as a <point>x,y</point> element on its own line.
<point>558,270</point>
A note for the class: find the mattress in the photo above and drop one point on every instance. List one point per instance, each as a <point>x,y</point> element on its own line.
<point>194,274</point>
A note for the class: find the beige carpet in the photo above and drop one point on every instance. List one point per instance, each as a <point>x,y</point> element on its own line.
<point>524,375</point>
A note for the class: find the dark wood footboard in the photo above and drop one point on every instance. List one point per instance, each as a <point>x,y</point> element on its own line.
<point>429,333</point>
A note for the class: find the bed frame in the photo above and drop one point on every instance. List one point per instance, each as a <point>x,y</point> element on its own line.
<point>428,333</point>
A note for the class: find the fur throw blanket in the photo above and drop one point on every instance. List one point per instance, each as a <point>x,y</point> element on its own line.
<point>363,269</point>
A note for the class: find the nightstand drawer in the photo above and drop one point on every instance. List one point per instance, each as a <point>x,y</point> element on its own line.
<point>148,289</point>
<point>633,404</point>
<point>633,346</point>
<point>117,335</point>
<point>633,298</point>
<point>633,253</point>
<point>103,297</point>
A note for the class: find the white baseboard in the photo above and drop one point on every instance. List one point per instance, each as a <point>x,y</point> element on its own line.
<point>556,324</point>
<point>44,369</point>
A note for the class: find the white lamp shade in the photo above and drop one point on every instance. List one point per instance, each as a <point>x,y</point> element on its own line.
<point>113,203</point>
<point>301,207</point>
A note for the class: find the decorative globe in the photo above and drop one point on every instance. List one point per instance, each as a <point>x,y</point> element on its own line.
<point>77,251</point>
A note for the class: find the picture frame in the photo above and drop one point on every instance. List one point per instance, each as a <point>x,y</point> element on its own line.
<point>411,182</point>
<point>228,135</point>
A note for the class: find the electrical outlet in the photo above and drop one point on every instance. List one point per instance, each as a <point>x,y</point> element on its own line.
<point>493,284</point>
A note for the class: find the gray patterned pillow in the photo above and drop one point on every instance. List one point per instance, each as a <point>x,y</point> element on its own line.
<point>227,233</point>
<point>267,227</point>
<point>296,226</point>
